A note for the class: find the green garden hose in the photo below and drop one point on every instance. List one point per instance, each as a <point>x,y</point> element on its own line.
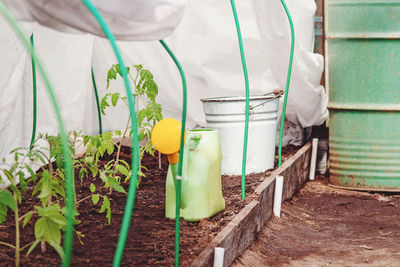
<point>97,102</point>
<point>130,201</point>
<point>34,97</point>
<point>287,83</point>
<point>69,235</point>
<point>246,79</point>
<point>182,143</point>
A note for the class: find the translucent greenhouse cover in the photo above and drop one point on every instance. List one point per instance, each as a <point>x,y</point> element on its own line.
<point>132,20</point>
<point>205,42</point>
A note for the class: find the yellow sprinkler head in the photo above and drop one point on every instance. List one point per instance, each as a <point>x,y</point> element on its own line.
<point>166,137</point>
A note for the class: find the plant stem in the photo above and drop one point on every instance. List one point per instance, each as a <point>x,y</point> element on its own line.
<point>23,216</point>
<point>120,142</point>
<point>119,148</point>
<point>83,199</point>
<point>17,244</point>
<point>43,246</point>
<point>7,244</point>
<point>27,245</point>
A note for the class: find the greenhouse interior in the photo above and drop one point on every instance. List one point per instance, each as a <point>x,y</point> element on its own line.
<point>200,133</point>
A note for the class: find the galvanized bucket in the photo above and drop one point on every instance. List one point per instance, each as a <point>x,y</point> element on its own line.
<point>364,91</point>
<point>227,115</point>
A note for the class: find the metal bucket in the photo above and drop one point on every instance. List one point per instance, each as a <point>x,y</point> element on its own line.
<point>364,91</point>
<point>227,115</point>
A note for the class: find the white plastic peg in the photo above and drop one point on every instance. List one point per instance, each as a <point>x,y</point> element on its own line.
<point>278,195</point>
<point>219,257</point>
<point>313,158</point>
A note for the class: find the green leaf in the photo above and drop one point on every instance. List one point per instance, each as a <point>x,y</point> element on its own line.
<point>95,199</point>
<point>81,173</point>
<point>94,170</point>
<point>122,169</point>
<point>27,218</point>
<point>111,75</point>
<point>32,247</point>
<point>45,190</point>
<point>92,188</point>
<point>141,115</point>
<point>3,213</point>
<point>7,199</point>
<point>31,172</point>
<point>107,136</point>
<point>48,230</point>
<point>9,176</point>
<point>101,150</point>
<point>116,185</point>
<point>103,176</point>
<point>59,189</point>
<point>159,116</point>
<point>109,146</point>
<point>142,135</point>
<point>39,157</point>
<point>59,160</point>
<point>105,205</point>
<point>104,104</point>
<point>58,219</point>
<point>138,67</point>
<point>141,174</point>
<point>79,235</point>
<point>40,227</point>
<point>58,248</point>
<point>108,215</point>
<point>128,177</point>
<point>125,163</point>
<point>22,181</point>
<point>114,99</point>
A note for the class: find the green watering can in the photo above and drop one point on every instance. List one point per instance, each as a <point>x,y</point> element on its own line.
<point>201,195</point>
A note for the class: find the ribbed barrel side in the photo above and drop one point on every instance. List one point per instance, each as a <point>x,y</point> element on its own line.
<point>364,91</point>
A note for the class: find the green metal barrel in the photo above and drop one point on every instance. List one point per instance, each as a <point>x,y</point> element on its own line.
<point>364,92</point>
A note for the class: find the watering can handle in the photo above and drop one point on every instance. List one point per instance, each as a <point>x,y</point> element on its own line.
<point>277,93</point>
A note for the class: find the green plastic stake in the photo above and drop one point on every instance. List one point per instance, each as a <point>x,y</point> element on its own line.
<point>287,83</point>
<point>180,163</point>
<point>34,96</point>
<point>246,79</point>
<point>97,102</point>
<point>130,202</point>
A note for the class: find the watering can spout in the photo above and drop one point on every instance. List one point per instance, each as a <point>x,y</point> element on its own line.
<point>173,158</point>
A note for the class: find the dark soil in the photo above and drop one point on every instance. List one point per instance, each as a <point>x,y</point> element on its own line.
<point>151,237</point>
<point>326,226</point>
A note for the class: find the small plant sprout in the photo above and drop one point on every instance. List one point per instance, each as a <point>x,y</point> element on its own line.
<point>50,220</point>
<point>144,87</point>
<point>96,148</point>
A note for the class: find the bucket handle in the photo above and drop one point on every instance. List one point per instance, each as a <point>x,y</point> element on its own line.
<point>277,93</point>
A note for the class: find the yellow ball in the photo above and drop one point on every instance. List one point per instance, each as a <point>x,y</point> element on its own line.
<point>166,136</point>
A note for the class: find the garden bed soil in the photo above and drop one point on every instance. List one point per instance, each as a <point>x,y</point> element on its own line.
<point>151,236</point>
<point>326,226</point>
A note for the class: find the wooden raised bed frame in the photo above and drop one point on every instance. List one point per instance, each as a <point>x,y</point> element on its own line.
<point>241,231</point>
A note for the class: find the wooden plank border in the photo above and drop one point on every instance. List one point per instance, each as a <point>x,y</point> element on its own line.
<point>240,232</point>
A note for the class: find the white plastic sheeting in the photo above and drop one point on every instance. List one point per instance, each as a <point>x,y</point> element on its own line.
<point>307,102</point>
<point>206,44</point>
<point>134,20</point>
